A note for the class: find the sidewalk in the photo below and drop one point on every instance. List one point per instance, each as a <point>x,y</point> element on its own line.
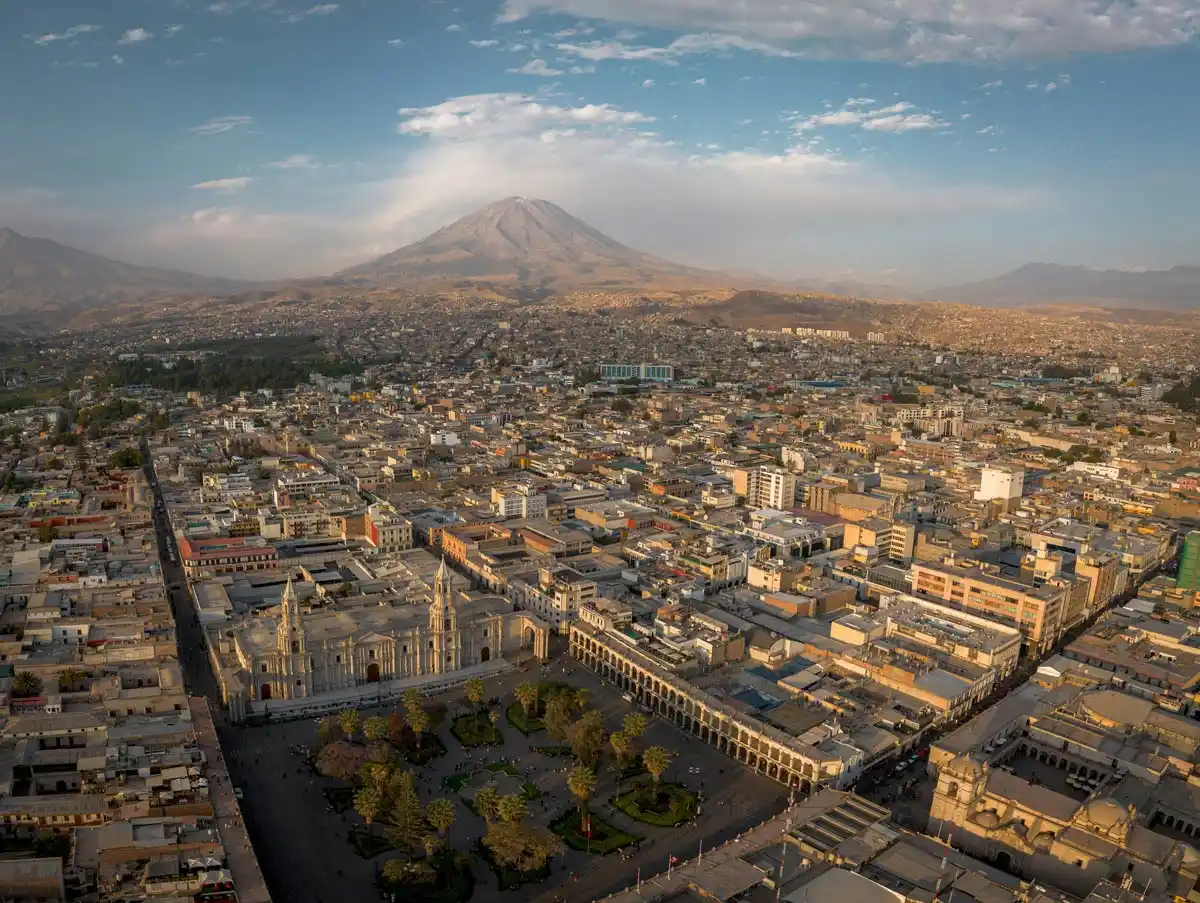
<point>243,864</point>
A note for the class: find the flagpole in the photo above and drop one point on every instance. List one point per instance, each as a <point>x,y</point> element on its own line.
<point>639,881</point>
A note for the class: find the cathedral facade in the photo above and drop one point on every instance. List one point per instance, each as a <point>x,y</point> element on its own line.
<point>331,656</point>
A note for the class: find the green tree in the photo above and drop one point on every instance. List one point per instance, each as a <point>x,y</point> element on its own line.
<point>487,803</point>
<point>634,725</point>
<point>559,712</point>
<point>412,699</point>
<point>47,532</point>
<point>474,690</point>
<point>329,730</point>
<point>431,843</point>
<point>368,802</point>
<point>407,815</point>
<point>418,721</point>
<point>586,737</point>
<point>520,847</point>
<point>71,679</point>
<point>581,782</point>
<point>621,744</point>
<point>527,695</point>
<point>441,815</point>
<point>377,775</point>
<point>622,405</point>
<point>349,720</point>
<point>512,808</point>
<point>657,760</point>
<point>375,728</point>
<point>494,718</point>
<point>125,459</point>
<point>26,684</point>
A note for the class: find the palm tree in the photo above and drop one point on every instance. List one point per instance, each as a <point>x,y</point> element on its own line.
<point>621,743</point>
<point>375,728</point>
<point>418,720</point>
<point>494,717</point>
<point>26,684</point>
<point>376,774</point>
<point>431,842</point>
<point>581,782</point>
<point>487,803</point>
<point>70,678</point>
<point>581,698</point>
<point>512,808</point>
<point>635,725</point>
<point>475,691</point>
<point>368,802</point>
<point>657,760</point>
<point>527,695</point>
<point>411,699</point>
<point>441,815</point>
<point>349,720</point>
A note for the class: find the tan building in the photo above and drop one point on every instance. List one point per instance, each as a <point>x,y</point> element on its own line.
<point>1036,610</point>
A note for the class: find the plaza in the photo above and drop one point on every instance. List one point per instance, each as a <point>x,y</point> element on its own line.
<point>307,858</point>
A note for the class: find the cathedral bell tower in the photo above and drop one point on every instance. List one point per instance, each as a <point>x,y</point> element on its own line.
<point>291,643</point>
<point>443,623</point>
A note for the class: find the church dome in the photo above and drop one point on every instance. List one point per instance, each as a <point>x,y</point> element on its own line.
<point>1043,841</point>
<point>966,767</point>
<point>1105,813</point>
<point>987,819</point>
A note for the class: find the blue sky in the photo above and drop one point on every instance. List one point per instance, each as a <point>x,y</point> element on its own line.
<point>912,142</point>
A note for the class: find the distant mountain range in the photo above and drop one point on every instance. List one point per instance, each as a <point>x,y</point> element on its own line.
<point>38,275</point>
<point>532,244</point>
<point>532,249</point>
<point>1049,283</point>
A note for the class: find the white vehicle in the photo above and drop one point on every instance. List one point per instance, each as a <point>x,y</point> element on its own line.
<point>237,793</point>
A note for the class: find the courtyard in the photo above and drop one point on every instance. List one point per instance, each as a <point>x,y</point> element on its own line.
<point>304,841</point>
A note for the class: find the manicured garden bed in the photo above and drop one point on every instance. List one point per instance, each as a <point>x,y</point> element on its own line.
<point>516,717</point>
<point>605,837</point>
<point>458,780</point>
<point>431,746</point>
<point>666,805</point>
<point>555,751</point>
<point>452,882</point>
<point>476,730</point>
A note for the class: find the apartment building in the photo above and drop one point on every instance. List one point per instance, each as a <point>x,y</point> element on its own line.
<point>557,597</point>
<point>1035,608</point>
<point>765,487</point>
<point>519,501</point>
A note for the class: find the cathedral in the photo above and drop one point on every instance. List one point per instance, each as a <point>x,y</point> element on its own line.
<point>340,655</point>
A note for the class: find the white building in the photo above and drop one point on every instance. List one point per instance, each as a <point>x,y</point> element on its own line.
<point>999,483</point>
<point>519,501</point>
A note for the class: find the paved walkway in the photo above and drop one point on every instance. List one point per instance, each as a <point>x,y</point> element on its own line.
<point>247,877</point>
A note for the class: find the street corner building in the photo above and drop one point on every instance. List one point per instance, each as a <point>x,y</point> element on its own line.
<point>299,662</point>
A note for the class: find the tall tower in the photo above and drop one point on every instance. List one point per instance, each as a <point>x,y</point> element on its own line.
<point>443,623</point>
<point>292,644</point>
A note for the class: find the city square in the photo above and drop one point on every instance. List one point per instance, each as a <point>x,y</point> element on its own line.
<point>284,798</point>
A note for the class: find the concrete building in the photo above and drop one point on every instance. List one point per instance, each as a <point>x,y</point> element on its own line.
<point>663,373</point>
<point>1000,483</point>
<point>760,746</point>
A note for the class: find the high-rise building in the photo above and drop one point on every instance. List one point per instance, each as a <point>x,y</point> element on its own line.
<point>1000,484</point>
<point>1189,562</point>
<point>765,487</point>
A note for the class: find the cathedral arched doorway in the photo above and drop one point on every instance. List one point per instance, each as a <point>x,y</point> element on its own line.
<point>265,692</point>
<point>485,654</point>
<point>373,673</point>
<point>530,637</point>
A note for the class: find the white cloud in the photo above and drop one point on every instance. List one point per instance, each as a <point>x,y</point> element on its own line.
<point>537,67</point>
<point>992,85</point>
<point>489,42</point>
<point>135,36</point>
<point>495,114</point>
<point>396,42</point>
<point>295,161</point>
<point>118,59</point>
<point>700,81</point>
<point>895,118</point>
<point>323,9</point>
<point>226,186</point>
<point>173,30</point>
<point>648,83</point>
<point>933,30</point>
<point>454,27</point>
<point>688,44</point>
<point>70,34</point>
<point>220,125</point>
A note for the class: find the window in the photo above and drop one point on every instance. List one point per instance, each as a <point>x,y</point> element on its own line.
<point>263,668</point>
<point>372,653</point>
<point>338,659</point>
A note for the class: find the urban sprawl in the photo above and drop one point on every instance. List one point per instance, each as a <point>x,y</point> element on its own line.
<point>540,605</point>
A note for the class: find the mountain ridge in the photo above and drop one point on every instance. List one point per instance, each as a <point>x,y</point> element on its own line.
<point>532,243</point>
<point>39,274</point>
<point>1176,288</point>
